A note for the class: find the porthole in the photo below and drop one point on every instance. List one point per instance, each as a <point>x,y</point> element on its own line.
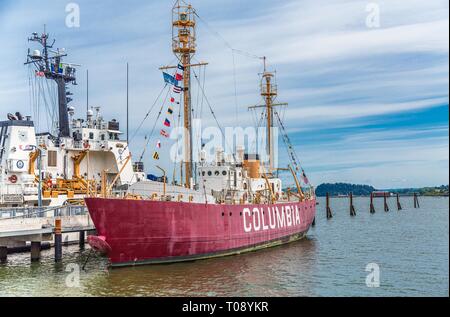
<point>217,173</point>
<point>209,173</point>
<point>224,173</point>
<point>203,173</point>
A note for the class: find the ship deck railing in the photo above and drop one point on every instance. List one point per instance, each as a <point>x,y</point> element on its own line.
<point>42,212</point>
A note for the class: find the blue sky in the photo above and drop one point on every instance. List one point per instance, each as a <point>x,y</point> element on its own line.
<point>367,105</point>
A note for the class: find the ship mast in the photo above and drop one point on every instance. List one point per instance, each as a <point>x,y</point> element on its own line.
<point>184,47</point>
<point>51,67</point>
<point>269,92</point>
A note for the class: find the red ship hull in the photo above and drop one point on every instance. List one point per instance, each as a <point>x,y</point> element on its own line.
<point>144,232</point>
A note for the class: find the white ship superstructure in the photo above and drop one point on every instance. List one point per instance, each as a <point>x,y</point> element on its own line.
<point>70,166</point>
<point>62,166</point>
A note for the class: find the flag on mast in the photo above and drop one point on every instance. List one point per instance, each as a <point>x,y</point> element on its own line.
<point>167,123</point>
<point>305,179</point>
<point>164,133</point>
<point>177,89</point>
<point>170,79</point>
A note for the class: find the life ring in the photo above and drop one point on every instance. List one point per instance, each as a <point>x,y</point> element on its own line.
<point>13,179</point>
<point>86,145</point>
<point>49,183</point>
<point>20,164</point>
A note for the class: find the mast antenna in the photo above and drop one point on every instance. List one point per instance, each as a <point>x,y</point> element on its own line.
<point>49,64</point>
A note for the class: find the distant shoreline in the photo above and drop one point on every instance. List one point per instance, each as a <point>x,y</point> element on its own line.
<point>344,189</point>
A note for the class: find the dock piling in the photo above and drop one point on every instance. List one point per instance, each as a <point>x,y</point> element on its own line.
<point>352,207</point>
<point>329,213</point>
<point>399,206</point>
<point>35,251</point>
<point>416,201</point>
<point>3,254</point>
<point>82,239</point>
<point>372,206</point>
<point>58,240</point>
<point>386,206</point>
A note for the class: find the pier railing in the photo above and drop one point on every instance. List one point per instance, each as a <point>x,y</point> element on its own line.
<point>42,212</point>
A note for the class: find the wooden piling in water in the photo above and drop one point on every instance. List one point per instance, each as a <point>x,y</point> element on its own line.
<point>352,207</point>
<point>372,206</point>
<point>329,213</point>
<point>82,240</point>
<point>3,254</point>
<point>58,240</point>
<point>416,201</point>
<point>399,206</point>
<point>35,251</point>
<point>386,206</point>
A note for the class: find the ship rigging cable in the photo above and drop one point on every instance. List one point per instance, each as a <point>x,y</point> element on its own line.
<point>220,37</point>
<point>178,124</point>
<point>233,52</point>
<point>149,136</point>
<point>42,95</point>
<point>292,154</point>
<point>146,115</point>
<point>213,113</point>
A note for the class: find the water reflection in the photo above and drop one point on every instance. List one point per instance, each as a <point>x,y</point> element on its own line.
<point>410,246</point>
<point>262,273</point>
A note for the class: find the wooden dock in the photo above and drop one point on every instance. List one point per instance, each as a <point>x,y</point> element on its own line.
<point>18,227</point>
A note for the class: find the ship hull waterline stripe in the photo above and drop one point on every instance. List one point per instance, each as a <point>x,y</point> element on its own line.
<point>251,248</point>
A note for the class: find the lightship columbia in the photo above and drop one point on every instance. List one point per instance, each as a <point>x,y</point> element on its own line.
<point>236,205</point>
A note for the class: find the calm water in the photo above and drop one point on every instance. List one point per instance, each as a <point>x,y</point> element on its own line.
<point>411,248</point>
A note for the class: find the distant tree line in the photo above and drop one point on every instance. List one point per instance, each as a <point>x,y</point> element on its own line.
<point>365,190</point>
<point>344,189</point>
<point>425,191</point>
